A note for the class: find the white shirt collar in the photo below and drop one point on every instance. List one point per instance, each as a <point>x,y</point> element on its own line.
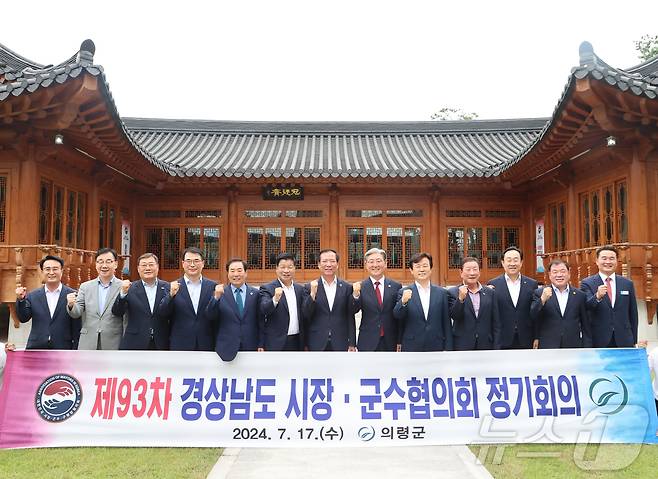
<point>604,277</point>
<point>57,290</point>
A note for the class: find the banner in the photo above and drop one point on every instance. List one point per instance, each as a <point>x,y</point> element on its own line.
<point>147,398</point>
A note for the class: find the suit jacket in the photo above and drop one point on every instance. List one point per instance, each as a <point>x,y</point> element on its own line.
<point>323,323</point>
<point>475,332</point>
<point>276,319</point>
<point>515,318</point>
<point>142,323</point>
<point>92,323</point>
<point>57,332</point>
<point>418,333</point>
<point>604,319</point>
<point>188,331</point>
<point>234,332</point>
<point>373,316</point>
<point>556,330</point>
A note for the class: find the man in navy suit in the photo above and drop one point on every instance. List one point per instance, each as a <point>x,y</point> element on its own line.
<point>423,310</point>
<point>514,297</point>
<point>140,300</point>
<point>328,309</point>
<point>376,297</point>
<point>559,312</point>
<point>474,311</point>
<point>281,308</point>
<point>236,313</point>
<point>611,303</point>
<point>184,309</point>
<point>52,327</point>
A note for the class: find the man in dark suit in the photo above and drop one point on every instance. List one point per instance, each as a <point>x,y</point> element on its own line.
<point>236,313</point>
<point>328,309</point>
<point>474,311</point>
<point>423,310</point>
<point>514,297</point>
<point>281,308</point>
<point>52,327</point>
<point>184,309</point>
<point>376,297</point>
<point>140,300</point>
<point>611,303</point>
<point>559,312</point>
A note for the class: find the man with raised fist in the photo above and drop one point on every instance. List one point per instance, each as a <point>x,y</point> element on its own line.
<point>140,300</point>
<point>52,327</point>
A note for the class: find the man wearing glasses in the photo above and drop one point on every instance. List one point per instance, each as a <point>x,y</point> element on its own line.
<point>100,329</point>
<point>184,308</point>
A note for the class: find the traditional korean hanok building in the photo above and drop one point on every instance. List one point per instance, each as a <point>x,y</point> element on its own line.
<point>75,176</point>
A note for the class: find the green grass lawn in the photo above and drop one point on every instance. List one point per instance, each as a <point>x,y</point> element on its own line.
<point>567,461</point>
<point>105,462</point>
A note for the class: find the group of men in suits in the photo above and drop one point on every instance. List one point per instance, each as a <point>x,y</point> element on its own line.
<point>196,313</point>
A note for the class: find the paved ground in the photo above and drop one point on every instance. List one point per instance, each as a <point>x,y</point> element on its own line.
<point>363,463</point>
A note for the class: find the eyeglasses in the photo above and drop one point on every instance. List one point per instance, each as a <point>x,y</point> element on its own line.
<point>193,261</point>
<point>107,261</point>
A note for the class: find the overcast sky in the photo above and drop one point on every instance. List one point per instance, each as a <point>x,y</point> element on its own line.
<point>333,60</point>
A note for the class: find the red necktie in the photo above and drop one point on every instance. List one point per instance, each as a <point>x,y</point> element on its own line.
<point>608,285</point>
<point>379,300</point>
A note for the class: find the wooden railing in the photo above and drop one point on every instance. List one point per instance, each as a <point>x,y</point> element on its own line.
<point>635,262</point>
<point>19,266</point>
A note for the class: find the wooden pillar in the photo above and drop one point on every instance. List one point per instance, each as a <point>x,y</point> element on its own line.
<point>440,270</point>
<point>334,222</point>
<point>93,220</point>
<point>573,218</point>
<point>24,215</point>
<point>638,206</point>
<point>234,245</point>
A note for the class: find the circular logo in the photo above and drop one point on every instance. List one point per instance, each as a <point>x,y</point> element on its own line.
<point>366,433</point>
<point>58,398</point>
<point>607,392</point>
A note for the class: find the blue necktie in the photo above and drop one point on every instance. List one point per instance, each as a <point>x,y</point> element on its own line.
<point>238,301</point>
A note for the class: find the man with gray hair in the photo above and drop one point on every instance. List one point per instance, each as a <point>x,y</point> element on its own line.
<point>376,296</point>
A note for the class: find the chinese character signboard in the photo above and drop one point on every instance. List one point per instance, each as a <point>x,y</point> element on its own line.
<point>283,192</point>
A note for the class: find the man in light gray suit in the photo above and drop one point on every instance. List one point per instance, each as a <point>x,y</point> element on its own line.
<point>100,329</point>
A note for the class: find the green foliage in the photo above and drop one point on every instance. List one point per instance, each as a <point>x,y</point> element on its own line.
<point>448,113</point>
<point>647,47</point>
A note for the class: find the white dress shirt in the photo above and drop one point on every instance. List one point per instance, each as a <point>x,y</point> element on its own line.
<point>424,294</point>
<point>52,297</point>
<point>613,286</point>
<point>291,299</point>
<point>194,288</point>
<point>562,298</point>
<point>380,287</point>
<point>330,291</point>
<point>514,288</point>
<point>151,292</point>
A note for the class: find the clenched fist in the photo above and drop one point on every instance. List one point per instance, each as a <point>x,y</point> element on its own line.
<point>601,292</point>
<point>21,292</point>
<point>406,296</point>
<point>314,288</point>
<point>219,291</point>
<point>463,291</point>
<point>125,286</point>
<point>278,292</point>
<point>174,286</point>
<point>356,289</point>
<point>70,298</point>
<point>546,294</point>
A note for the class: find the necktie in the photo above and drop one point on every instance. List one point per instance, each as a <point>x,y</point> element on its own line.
<point>608,284</point>
<point>379,300</point>
<point>238,301</point>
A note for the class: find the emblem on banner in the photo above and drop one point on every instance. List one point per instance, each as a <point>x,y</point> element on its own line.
<point>604,397</point>
<point>58,397</point>
<point>366,433</point>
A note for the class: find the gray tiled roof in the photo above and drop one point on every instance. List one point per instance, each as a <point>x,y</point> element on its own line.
<point>334,150</point>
